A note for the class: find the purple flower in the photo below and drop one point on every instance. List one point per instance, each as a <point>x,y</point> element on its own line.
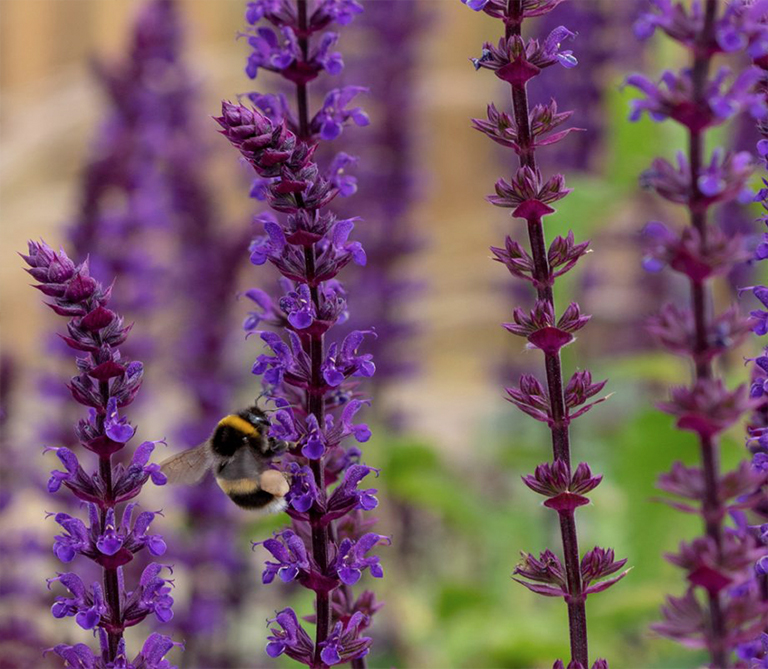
<point>530,197</point>
<point>344,642</point>
<point>116,428</point>
<point>351,560</point>
<point>334,115</point>
<point>105,381</point>
<point>291,555</point>
<point>269,53</point>
<point>299,307</point>
<point>290,638</point>
<point>337,176</point>
<point>150,596</point>
<point>305,373</point>
<point>718,563</point>
<point>347,495</point>
<point>86,605</point>
<point>517,61</point>
<point>303,493</point>
<point>344,361</point>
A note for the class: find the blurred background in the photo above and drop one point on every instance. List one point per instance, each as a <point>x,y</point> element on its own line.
<point>78,170</point>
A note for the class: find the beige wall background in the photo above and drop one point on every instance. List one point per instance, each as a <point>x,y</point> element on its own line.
<point>50,109</point>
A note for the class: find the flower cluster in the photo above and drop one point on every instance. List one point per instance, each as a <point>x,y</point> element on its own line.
<point>105,383</point>
<point>530,195</point>
<point>310,382</point>
<point>722,608</point>
<point>757,429</point>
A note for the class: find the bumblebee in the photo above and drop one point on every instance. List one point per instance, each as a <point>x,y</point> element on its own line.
<point>238,453</point>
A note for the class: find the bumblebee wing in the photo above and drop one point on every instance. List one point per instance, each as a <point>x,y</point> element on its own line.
<point>189,466</point>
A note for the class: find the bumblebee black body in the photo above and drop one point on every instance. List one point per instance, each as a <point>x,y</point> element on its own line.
<point>239,453</point>
<point>241,429</point>
<point>240,440</point>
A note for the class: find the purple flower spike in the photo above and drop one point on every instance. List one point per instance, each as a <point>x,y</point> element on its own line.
<point>756,34</point>
<point>105,382</point>
<point>309,373</point>
<point>531,196</point>
<point>721,604</point>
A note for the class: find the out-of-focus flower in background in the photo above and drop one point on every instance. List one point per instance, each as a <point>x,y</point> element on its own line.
<point>722,607</point>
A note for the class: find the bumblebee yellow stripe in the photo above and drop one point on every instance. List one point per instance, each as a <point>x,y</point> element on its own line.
<point>238,486</point>
<point>237,423</point>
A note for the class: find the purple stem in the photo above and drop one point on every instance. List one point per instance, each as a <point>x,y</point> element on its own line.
<point>109,574</point>
<point>701,295</point>
<point>315,393</point>
<point>577,614</point>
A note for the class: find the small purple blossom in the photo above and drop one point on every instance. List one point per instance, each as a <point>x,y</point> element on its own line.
<point>290,638</point>
<point>345,643</point>
<point>352,560</point>
<point>291,555</point>
<point>335,114</point>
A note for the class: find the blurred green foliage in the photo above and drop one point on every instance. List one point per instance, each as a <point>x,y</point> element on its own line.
<point>456,606</point>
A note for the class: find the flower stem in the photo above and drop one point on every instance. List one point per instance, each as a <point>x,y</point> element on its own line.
<point>315,400</point>
<point>109,574</point>
<point>701,297</point>
<point>577,615</point>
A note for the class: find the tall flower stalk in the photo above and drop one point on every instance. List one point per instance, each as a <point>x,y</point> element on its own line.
<point>308,379</point>
<point>105,383</point>
<point>719,564</point>
<point>555,403</point>
<point>124,203</point>
<point>756,650</point>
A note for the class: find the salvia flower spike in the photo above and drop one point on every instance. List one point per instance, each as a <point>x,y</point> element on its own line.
<point>756,649</point>
<point>721,610</point>
<point>114,530</point>
<point>556,401</point>
<point>310,379</point>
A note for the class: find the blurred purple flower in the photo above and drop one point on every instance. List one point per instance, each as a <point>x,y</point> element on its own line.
<point>718,566</point>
